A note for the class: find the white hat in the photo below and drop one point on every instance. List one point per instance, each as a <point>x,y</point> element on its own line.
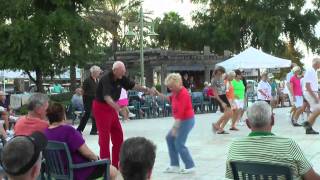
<point>295,69</point>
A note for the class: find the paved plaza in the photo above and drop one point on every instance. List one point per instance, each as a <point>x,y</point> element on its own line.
<point>209,150</point>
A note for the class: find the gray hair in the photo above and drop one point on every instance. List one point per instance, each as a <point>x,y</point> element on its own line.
<point>37,100</point>
<point>117,64</point>
<point>231,73</point>
<point>259,114</point>
<point>94,69</point>
<point>316,61</point>
<point>173,78</point>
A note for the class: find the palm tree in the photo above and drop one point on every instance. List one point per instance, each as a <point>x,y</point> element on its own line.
<point>110,13</point>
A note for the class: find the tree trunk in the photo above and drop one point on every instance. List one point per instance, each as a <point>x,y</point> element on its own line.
<point>114,45</point>
<point>73,78</point>
<point>39,80</point>
<point>115,38</point>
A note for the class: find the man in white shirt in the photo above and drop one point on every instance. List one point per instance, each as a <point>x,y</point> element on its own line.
<point>264,89</point>
<point>310,93</point>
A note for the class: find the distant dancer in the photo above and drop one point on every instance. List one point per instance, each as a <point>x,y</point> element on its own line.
<point>89,88</point>
<point>239,98</point>
<point>220,90</point>
<point>296,91</point>
<point>311,94</point>
<point>264,89</point>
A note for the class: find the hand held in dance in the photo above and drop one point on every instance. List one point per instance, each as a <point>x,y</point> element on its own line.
<point>153,91</point>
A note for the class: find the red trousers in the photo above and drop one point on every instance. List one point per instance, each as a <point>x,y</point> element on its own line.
<point>109,126</point>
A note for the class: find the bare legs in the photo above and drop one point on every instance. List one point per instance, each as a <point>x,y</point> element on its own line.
<point>237,114</point>
<point>220,124</point>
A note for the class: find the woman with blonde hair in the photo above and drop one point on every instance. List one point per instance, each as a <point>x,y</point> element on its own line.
<point>183,115</point>
<point>220,90</point>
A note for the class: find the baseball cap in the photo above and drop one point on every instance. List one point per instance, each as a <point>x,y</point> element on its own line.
<point>21,152</point>
<point>295,69</point>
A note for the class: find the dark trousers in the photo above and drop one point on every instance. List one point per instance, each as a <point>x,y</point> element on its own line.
<point>87,103</point>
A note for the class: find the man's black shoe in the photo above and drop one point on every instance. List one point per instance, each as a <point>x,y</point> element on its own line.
<point>311,131</point>
<point>295,124</point>
<point>306,125</point>
<point>93,133</point>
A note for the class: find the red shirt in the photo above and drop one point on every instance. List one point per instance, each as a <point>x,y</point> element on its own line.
<point>181,105</point>
<point>210,92</point>
<point>26,125</point>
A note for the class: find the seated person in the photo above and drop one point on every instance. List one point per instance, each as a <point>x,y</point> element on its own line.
<point>21,156</point>
<point>4,109</point>
<point>137,156</point>
<point>57,88</point>
<point>76,101</point>
<point>263,146</point>
<point>3,134</point>
<point>80,152</point>
<point>35,120</point>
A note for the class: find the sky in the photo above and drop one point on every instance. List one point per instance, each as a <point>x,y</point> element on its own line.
<point>185,8</point>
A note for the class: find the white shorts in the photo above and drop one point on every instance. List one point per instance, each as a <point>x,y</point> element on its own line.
<point>299,101</point>
<point>313,105</point>
<point>239,103</point>
<point>291,99</point>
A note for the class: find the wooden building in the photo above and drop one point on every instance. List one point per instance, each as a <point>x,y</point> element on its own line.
<point>158,63</point>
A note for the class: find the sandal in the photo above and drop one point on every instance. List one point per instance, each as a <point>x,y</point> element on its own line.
<point>215,128</point>
<point>222,132</point>
<point>234,129</point>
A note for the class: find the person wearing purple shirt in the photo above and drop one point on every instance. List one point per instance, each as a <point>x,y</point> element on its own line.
<point>80,153</point>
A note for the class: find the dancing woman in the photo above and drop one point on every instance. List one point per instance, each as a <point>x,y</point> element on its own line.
<point>183,123</point>
<point>220,89</point>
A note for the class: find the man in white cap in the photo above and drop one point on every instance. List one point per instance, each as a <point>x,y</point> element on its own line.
<point>310,93</point>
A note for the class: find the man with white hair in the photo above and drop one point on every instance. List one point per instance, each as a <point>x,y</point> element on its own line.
<point>89,88</point>
<point>310,93</point>
<point>263,146</point>
<point>105,109</point>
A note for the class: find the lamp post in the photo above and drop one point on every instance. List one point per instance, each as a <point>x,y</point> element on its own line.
<point>141,24</point>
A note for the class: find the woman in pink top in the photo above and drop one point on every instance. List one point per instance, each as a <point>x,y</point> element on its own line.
<point>184,121</point>
<point>296,91</point>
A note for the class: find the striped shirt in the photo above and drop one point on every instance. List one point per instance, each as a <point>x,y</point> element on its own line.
<point>268,149</point>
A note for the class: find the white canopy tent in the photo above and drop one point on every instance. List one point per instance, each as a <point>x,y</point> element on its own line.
<point>253,58</point>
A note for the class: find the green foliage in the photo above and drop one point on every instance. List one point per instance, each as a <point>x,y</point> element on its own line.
<point>158,87</point>
<point>63,98</point>
<point>173,33</point>
<point>23,110</point>
<point>268,24</point>
<point>44,36</point>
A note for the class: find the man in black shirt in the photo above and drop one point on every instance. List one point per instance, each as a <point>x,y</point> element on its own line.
<point>89,88</point>
<point>185,81</point>
<point>105,109</point>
